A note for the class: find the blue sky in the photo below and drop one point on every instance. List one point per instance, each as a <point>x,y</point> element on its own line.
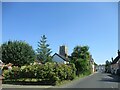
<point>92,24</point>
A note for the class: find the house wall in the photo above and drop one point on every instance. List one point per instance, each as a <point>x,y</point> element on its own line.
<point>114,68</point>
<point>58,59</point>
<point>119,63</point>
<point>93,67</point>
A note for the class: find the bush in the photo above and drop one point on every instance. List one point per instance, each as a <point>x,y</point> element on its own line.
<point>82,66</point>
<point>6,74</point>
<point>18,53</point>
<point>49,72</point>
<point>5,68</point>
<point>118,71</point>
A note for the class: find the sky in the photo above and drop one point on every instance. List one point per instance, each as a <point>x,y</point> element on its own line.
<point>70,24</point>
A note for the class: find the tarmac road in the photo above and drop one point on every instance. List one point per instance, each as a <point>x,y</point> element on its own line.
<point>97,80</point>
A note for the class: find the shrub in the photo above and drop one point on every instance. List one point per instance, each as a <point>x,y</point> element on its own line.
<point>5,68</point>
<point>49,72</point>
<point>15,72</point>
<point>6,74</point>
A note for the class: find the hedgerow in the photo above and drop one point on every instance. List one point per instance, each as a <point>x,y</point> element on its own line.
<point>49,72</point>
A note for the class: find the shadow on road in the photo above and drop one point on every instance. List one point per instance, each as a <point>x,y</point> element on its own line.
<point>111,78</point>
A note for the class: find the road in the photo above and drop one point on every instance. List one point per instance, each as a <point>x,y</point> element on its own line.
<point>97,80</point>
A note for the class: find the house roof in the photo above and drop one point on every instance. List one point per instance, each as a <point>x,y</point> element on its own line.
<point>116,59</point>
<point>65,59</point>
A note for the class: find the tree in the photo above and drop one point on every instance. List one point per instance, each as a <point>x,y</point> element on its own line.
<point>81,58</point>
<point>17,52</point>
<point>107,66</point>
<point>80,52</point>
<point>43,50</point>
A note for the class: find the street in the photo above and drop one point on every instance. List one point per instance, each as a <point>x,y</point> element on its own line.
<point>97,80</point>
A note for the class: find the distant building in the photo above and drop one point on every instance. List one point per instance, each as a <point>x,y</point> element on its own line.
<point>63,50</point>
<point>62,57</point>
<point>100,68</point>
<point>92,63</point>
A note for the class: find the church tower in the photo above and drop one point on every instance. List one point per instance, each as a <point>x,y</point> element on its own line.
<point>63,50</point>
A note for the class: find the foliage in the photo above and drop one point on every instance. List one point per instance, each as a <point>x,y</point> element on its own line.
<point>43,50</point>
<point>107,63</point>
<point>6,74</point>
<point>17,52</point>
<point>81,65</point>
<point>95,64</point>
<point>80,52</point>
<point>48,72</point>
<point>5,68</point>
<point>81,58</point>
<point>107,66</point>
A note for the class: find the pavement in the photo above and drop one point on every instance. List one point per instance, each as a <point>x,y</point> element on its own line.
<point>97,80</point>
<point>24,86</point>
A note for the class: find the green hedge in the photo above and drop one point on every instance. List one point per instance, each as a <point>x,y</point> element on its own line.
<point>49,72</point>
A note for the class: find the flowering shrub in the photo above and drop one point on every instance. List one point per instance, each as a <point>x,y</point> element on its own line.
<point>49,72</point>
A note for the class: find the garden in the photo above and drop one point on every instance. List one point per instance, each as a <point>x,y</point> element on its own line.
<point>36,67</point>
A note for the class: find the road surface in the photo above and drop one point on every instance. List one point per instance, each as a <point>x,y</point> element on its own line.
<point>97,80</point>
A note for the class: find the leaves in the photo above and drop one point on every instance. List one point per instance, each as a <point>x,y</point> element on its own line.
<point>81,58</point>
<point>51,72</point>
<point>17,52</point>
<point>43,50</point>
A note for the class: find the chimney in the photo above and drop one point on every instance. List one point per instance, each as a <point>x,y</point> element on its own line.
<point>118,52</point>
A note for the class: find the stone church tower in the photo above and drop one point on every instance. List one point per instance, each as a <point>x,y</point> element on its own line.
<point>63,50</point>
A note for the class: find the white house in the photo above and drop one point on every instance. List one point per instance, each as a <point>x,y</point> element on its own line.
<point>60,59</point>
<point>101,68</point>
<point>92,63</point>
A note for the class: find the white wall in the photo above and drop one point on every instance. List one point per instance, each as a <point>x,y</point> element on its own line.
<point>93,68</point>
<point>58,59</point>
